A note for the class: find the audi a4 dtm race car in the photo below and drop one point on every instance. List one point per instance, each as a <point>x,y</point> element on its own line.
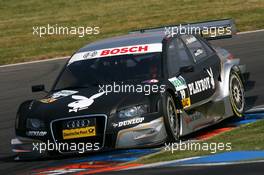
<point>195,85</point>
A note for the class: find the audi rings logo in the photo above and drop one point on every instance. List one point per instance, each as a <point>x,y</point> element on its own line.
<point>78,123</point>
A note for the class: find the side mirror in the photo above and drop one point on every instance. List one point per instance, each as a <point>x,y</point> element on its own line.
<point>186,69</point>
<point>38,88</point>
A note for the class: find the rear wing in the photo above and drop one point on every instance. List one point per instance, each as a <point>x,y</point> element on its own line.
<point>210,30</point>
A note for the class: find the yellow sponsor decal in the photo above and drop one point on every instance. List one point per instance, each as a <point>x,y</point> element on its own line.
<point>48,100</point>
<point>79,132</point>
<point>186,102</point>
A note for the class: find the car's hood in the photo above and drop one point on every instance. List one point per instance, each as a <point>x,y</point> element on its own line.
<point>85,101</point>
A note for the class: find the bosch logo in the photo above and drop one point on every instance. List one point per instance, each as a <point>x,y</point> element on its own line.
<point>93,54</point>
<point>86,55</point>
<point>77,123</point>
<point>90,54</point>
<point>124,50</point>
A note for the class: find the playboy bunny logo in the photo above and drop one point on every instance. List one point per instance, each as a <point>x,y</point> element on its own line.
<point>210,73</point>
<point>82,102</point>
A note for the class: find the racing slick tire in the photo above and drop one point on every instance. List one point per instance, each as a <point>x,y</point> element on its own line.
<point>237,94</point>
<point>171,118</point>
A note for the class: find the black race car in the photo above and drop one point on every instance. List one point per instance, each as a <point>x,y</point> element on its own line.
<point>133,91</point>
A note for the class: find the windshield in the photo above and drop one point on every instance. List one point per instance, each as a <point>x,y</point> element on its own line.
<point>109,69</point>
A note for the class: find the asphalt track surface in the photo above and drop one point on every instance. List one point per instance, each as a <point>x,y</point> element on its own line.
<point>239,169</point>
<point>15,82</point>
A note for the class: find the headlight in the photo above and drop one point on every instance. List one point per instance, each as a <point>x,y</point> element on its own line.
<point>34,124</point>
<point>133,111</point>
<point>17,121</point>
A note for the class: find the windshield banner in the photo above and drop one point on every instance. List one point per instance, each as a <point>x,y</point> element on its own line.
<point>135,49</point>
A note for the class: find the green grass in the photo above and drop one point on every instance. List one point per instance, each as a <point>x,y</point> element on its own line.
<point>114,17</point>
<point>246,137</point>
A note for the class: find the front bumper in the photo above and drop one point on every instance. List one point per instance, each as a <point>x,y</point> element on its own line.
<point>150,133</point>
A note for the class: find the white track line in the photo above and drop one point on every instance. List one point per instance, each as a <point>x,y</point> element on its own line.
<point>60,58</point>
<point>157,164</point>
<point>163,164</point>
<point>253,31</point>
<point>33,62</point>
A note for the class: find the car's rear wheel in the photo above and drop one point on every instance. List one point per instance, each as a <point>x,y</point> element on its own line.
<point>237,94</point>
<point>171,119</point>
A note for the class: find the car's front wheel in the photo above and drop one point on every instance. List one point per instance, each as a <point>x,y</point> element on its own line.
<point>171,118</point>
<point>237,94</point>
